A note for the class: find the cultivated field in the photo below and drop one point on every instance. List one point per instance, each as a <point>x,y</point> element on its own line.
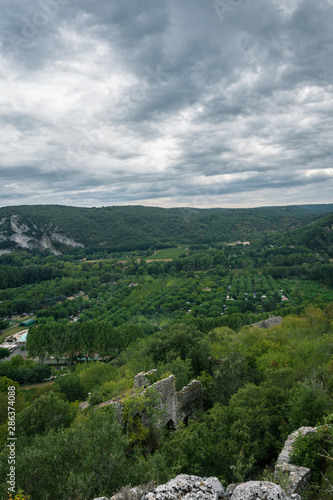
<point>168,253</point>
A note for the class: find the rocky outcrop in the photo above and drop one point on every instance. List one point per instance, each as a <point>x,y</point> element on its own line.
<point>182,487</point>
<point>186,487</point>
<point>61,238</point>
<point>260,490</point>
<point>16,235</point>
<point>299,477</point>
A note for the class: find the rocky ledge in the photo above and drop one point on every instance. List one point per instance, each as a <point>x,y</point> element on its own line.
<point>188,487</point>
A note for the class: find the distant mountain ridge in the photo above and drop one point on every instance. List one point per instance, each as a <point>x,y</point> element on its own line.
<point>60,229</point>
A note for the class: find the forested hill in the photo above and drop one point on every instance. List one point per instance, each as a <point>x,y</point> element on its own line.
<point>317,236</point>
<point>60,228</point>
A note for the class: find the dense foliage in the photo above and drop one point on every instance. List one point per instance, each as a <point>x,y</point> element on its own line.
<point>259,385</point>
<point>107,316</point>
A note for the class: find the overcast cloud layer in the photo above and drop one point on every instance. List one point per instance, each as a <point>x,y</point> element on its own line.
<point>166,102</point>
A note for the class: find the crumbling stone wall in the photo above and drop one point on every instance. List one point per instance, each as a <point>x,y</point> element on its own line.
<point>177,406</point>
<point>117,405</point>
<point>142,379</point>
<point>166,388</point>
<point>189,401</point>
<point>299,476</point>
<point>288,445</point>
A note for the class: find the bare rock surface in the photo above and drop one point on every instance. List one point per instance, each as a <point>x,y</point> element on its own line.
<point>184,486</point>
<point>187,487</point>
<point>260,490</point>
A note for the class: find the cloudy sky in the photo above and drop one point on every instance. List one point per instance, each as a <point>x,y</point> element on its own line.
<point>166,102</point>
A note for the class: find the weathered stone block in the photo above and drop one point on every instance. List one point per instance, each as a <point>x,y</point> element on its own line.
<point>299,477</point>
<point>258,490</point>
<point>187,487</point>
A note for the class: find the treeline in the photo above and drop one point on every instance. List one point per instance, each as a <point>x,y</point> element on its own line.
<point>80,340</point>
<point>77,340</point>
<point>12,277</point>
<point>322,273</point>
<point>171,291</point>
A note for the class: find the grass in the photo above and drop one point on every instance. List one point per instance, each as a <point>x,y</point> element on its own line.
<point>18,319</point>
<point>22,318</point>
<point>168,253</point>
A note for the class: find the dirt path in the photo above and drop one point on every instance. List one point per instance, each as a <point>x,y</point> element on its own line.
<point>40,384</point>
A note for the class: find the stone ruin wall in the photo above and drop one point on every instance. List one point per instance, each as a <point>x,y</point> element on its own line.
<point>166,388</point>
<point>299,476</point>
<point>184,404</point>
<point>117,405</point>
<point>189,401</point>
<point>178,406</point>
<point>141,380</point>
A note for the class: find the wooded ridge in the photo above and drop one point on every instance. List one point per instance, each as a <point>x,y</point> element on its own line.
<point>124,228</point>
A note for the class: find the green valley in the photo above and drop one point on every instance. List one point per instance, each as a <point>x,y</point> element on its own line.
<point>183,308</point>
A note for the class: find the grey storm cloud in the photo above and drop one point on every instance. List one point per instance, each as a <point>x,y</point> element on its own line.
<point>166,102</point>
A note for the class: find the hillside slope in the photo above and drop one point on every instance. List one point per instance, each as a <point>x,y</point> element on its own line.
<point>317,236</point>
<point>61,228</point>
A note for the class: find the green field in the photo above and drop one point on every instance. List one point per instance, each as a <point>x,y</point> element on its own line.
<point>168,253</point>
